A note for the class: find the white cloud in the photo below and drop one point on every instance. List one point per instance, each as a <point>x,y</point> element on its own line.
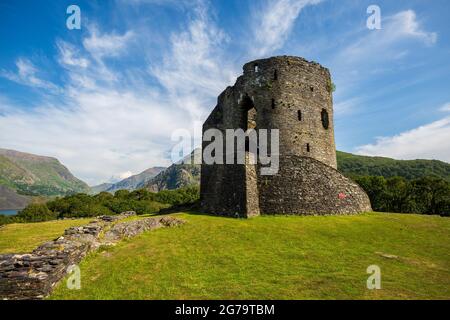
<point>27,75</point>
<point>101,127</point>
<point>430,141</point>
<point>370,54</point>
<point>387,43</point>
<point>195,69</point>
<point>445,107</point>
<point>345,106</point>
<point>98,134</point>
<point>405,24</point>
<point>68,56</point>
<point>107,44</point>
<point>273,23</point>
<point>125,175</point>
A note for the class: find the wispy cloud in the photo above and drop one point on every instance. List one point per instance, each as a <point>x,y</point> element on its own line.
<point>273,23</point>
<point>112,117</point>
<point>104,127</point>
<point>388,42</point>
<point>195,70</point>
<point>27,74</point>
<point>107,44</point>
<point>445,107</point>
<point>69,56</point>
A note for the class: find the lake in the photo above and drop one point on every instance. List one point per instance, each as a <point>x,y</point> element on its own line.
<point>9,212</point>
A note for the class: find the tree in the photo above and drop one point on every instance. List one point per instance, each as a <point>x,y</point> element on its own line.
<point>431,195</point>
<point>121,194</point>
<point>35,213</point>
<point>397,195</point>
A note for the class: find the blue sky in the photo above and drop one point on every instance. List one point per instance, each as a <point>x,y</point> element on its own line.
<point>106,99</point>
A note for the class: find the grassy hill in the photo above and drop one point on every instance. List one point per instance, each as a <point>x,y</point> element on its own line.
<point>350,164</point>
<point>30,174</point>
<point>274,257</point>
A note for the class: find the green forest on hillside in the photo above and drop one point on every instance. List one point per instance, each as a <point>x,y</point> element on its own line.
<point>353,165</point>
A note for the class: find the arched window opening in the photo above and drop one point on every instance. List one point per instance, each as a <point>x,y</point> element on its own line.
<point>311,88</point>
<point>273,103</point>
<point>248,116</point>
<point>275,75</point>
<point>249,113</point>
<point>308,148</point>
<point>325,119</point>
<point>299,115</point>
<point>256,68</point>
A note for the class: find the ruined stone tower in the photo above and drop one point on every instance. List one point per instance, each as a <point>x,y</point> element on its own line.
<point>294,96</point>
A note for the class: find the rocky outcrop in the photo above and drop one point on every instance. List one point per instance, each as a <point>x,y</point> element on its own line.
<point>33,275</point>
<point>134,228</point>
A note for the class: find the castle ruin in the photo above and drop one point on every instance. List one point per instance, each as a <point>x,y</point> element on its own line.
<point>294,96</point>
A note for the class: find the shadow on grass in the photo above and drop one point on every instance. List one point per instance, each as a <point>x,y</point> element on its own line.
<point>191,209</point>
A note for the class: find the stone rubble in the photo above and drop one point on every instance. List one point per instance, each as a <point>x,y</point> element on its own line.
<point>33,275</point>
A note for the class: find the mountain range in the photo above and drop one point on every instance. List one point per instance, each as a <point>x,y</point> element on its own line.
<point>23,175</point>
<point>131,183</point>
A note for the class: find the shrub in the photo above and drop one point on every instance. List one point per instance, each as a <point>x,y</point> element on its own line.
<point>427,195</point>
<point>181,196</point>
<point>36,213</point>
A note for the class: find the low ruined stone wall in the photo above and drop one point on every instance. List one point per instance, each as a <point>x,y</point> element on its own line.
<point>33,275</point>
<point>305,186</point>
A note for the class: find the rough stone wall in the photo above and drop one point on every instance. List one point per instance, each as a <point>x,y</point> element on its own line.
<point>285,93</point>
<point>33,275</point>
<point>306,186</point>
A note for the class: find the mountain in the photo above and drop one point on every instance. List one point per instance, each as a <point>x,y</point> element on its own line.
<point>177,175</point>
<point>9,199</point>
<point>131,183</point>
<point>350,164</point>
<point>136,181</point>
<point>100,188</point>
<point>30,174</point>
<point>180,175</point>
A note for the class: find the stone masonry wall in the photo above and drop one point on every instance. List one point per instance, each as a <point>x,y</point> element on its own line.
<point>306,186</point>
<point>294,96</point>
<point>33,275</point>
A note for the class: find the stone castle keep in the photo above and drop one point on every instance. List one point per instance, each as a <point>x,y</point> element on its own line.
<point>294,96</point>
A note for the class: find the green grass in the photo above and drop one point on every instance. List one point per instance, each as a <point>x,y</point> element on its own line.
<point>275,257</point>
<point>24,237</point>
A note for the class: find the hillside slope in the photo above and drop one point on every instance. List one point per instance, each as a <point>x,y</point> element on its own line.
<point>178,175</point>
<point>135,181</point>
<point>350,164</point>
<point>174,177</point>
<point>9,199</point>
<point>31,174</point>
<point>100,188</point>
